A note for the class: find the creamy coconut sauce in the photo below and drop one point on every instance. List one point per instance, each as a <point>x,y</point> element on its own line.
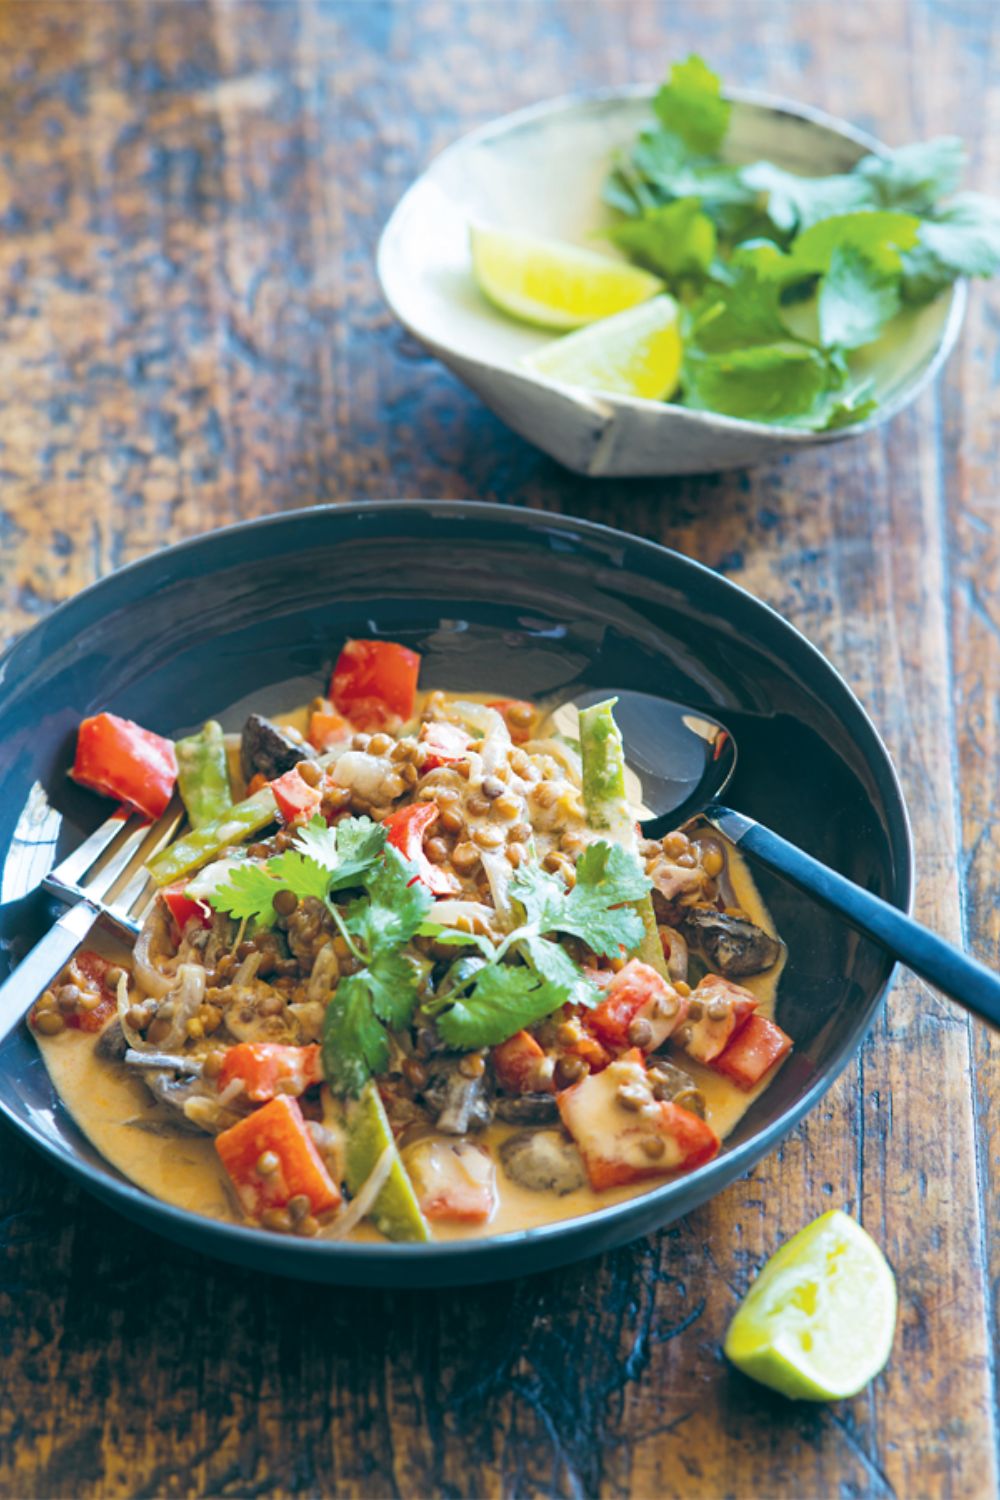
<point>119,1116</point>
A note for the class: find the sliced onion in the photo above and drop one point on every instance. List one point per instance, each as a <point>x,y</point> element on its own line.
<point>186,995</point>
<point>365,774</point>
<point>448,912</point>
<point>325,973</point>
<point>493,728</point>
<point>499,874</point>
<point>232,1091</point>
<point>154,935</point>
<point>247,970</point>
<point>567,758</point>
<point>360,1207</point>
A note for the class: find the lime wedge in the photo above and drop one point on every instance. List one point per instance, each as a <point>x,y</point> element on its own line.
<point>637,353</point>
<point>396,1212</point>
<point>818,1322</point>
<point>553,283</point>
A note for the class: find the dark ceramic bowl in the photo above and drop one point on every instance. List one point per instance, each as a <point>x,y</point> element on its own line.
<point>527,604</point>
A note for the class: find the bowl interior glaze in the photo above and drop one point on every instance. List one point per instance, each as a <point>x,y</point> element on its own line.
<point>520,602</point>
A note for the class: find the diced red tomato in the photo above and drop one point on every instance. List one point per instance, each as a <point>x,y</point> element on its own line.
<point>182,908</point>
<point>520,722</point>
<point>516,1064</point>
<point>613,1141</point>
<point>296,799</point>
<point>706,1038</point>
<point>374,683</point>
<point>267,1069</point>
<point>327,730</point>
<point>444,744</point>
<point>405,831</point>
<point>452,1180</point>
<point>92,968</point>
<point>278,1127</point>
<point>755,1049</point>
<point>125,761</point>
<point>637,992</point>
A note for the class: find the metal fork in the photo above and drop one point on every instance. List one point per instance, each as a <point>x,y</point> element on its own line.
<point>105,877</point>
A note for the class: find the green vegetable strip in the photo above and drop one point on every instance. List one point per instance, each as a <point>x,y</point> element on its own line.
<point>203,774</point>
<point>196,848</point>
<point>607,807</point>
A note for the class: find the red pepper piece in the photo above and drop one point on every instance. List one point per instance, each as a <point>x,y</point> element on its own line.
<point>405,831</point>
<point>125,761</point>
<point>753,1051</point>
<point>267,1069</point>
<point>296,799</point>
<point>182,908</point>
<point>374,683</point>
<point>279,1128</point>
<point>516,1064</point>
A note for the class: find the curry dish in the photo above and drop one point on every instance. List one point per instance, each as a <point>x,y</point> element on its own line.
<point>412,971</point>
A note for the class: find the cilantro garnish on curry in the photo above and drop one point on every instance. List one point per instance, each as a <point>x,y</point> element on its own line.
<point>412,970</point>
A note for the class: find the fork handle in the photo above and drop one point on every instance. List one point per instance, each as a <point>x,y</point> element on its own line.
<point>36,972</point>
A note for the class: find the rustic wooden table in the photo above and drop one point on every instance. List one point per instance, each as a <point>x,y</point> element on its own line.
<point>190,196</point>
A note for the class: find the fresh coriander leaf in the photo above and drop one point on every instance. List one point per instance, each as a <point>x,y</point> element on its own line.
<point>963,239</point>
<point>300,873</point>
<point>394,909</point>
<point>691,106</point>
<point>552,963</point>
<point>795,203</point>
<point>393,981</point>
<point>319,842</point>
<point>607,876</point>
<point>247,895</point>
<point>844,408</point>
<point>542,895</point>
<point>856,299</point>
<point>879,234</point>
<point>779,382</point>
<point>676,239</point>
<point>359,845</point>
<point>743,312</point>
<point>355,1044</point>
<point>913,178</point>
<point>506,998</point>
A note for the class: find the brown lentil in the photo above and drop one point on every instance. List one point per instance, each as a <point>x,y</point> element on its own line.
<point>112,978</point>
<point>276,1218</point>
<point>472,1065</point>
<point>675,844</point>
<point>415,1073</point>
<point>654,1146</point>
<point>521,832</point>
<point>451,819</point>
<point>299,1205</point>
<point>212,1066</point>
<point>360,742</point>
<point>718,1010</point>
<point>136,1017</point>
<point>682,987</point>
<point>696,1010</point>
<point>545,794</point>
<point>272,1005</point>
<point>409,774</point>
<point>49,1022</point>
<point>159,1031</point>
<point>568,1033</point>
<point>310,772</point>
<point>665,1006</point>
<point>517,854</point>
<point>712,861</point>
<point>90,1000</point>
<point>569,1070</point>
<point>68,997</point>
<point>632,1097</point>
<point>379,744</point>
<point>492,787</point>
<point>477,806</point>
<point>507,807</point>
<point>488,838</point>
<point>244,950</point>
<point>194,1029</point>
<point>284,902</point>
<point>640,1033</point>
<point>307,1226</point>
<point>693,1100</point>
<point>520,715</point>
<point>268,1163</point>
<point>465,858</point>
<point>437,851</point>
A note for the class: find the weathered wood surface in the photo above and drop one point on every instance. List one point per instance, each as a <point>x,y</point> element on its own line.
<point>190,195</point>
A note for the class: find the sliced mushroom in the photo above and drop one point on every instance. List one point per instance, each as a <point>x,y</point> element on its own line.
<point>527,1109</point>
<point>112,1043</point>
<point>268,750</point>
<point>735,946</point>
<point>193,1107</point>
<point>543,1161</point>
<point>462,1103</point>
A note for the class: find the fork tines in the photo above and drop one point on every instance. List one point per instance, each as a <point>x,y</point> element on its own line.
<point>109,867</point>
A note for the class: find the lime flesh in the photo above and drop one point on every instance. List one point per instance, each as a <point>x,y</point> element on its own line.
<point>396,1212</point>
<point>551,283</point>
<point>636,353</point>
<point>818,1323</point>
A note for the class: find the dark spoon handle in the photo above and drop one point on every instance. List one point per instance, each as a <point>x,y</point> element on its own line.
<point>944,966</point>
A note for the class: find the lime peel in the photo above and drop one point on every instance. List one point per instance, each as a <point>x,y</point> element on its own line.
<point>637,353</point>
<point>818,1322</point>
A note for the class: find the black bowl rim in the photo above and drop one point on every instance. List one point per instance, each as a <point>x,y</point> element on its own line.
<point>305,1257</point>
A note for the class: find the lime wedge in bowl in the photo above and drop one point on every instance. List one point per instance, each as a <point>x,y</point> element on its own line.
<point>552,283</point>
<point>818,1323</point>
<point>636,353</point>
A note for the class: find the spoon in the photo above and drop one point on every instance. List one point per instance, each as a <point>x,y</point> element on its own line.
<point>683,760</point>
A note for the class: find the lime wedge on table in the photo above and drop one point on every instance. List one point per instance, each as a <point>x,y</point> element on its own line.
<point>818,1322</point>
<point>637,353</point>
<point>553,283</point>
<point>396,1212</point>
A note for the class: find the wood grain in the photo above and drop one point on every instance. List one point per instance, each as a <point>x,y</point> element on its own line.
<point>190,195</point>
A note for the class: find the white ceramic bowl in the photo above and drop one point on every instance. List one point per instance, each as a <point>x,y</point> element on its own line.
<point>542,169</point>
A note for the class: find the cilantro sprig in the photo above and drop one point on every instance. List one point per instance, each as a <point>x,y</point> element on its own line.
<point>782,277</point>
<point>505,996</point>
